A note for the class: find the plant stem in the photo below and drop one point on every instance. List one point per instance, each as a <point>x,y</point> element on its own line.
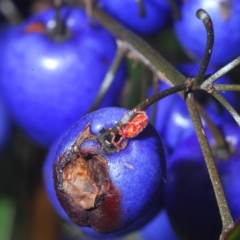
<point>227,105</point>
<point>226,217</point>
<point>141,6</point>
<point>220,73</point>
<point>144,51</point>
<point>203,15</point>
<point>109,77</point>
<point>226,87</point>
<point>220,141</point>
<point>146,103</point>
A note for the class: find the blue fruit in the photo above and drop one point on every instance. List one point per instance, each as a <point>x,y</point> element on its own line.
<point>5,126</point>
<point>56,77</point>
<point>189,196</point>
<point>158,228</point>
<point>158,14</point>
<point>108,191</point>
<point>226,19</point>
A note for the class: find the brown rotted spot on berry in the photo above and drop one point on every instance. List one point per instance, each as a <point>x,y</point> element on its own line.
<point>84,188</point>
<point>85,180</point>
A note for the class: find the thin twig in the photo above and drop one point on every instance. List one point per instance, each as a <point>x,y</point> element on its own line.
<point>146,103</point>
<point>155,87</point>
<point>226,87</point>
<point>227,105</point>
<point>109,77</point>
<point>144,51</point>
<point>207,21</point>
<point>226,217</point>
<point>220,73</point>
<point>142,9</point>
<point>220,141</point>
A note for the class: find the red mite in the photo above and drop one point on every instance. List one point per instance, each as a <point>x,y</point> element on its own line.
<point>135,126</point>
<point>131,129</point>
<point>35,27</point>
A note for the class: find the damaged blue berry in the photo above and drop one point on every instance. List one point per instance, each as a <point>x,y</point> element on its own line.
<point>105,189</point>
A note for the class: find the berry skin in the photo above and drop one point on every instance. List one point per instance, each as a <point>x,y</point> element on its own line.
<point>109,192</point>
<point>158,14</point>
<point>189,195</point>
<point>5,126</point>
<point>51,84</point>
<point>226,19</point>
<point>158,228</point>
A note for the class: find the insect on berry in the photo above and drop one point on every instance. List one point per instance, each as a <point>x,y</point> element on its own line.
<point>130,129</point>
<point>135,126</point>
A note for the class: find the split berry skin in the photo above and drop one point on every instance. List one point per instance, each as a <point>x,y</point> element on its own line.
<point>157,14</point>
<point>109,191</point>
<point>56,76</point>
<point>189,197</point>
<point>225,16</point>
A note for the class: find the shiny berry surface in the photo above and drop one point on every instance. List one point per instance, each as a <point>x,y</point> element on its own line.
<point>157,14</point>
<point>98,189</point>
<point>51,82</point>
<point>192,35</point>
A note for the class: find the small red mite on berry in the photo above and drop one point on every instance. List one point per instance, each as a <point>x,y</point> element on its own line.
<point>35,27</point>
<point>135,126</point>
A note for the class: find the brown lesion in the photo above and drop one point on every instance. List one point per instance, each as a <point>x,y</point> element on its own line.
<point>84,189</point>
<point>85,180</point>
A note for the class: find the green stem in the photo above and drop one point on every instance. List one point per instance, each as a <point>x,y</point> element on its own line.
<point>226,217</point>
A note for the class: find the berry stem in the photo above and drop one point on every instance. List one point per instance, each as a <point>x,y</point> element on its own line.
<point>226,87</point>
<point>203,15</point>
<point>220,141</point>
<point>225,214</point>
<point>59,33</point>
<point>227,105</point>
<point>146,103</point>
<point>155,91</point>
<point>176,13</point>
<point>220,73</point>
<point>143,50</point>
<point>142,10</point>
<point>121,52</point>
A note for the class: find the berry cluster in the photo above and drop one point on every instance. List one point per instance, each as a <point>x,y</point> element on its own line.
<point>67,82</point>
